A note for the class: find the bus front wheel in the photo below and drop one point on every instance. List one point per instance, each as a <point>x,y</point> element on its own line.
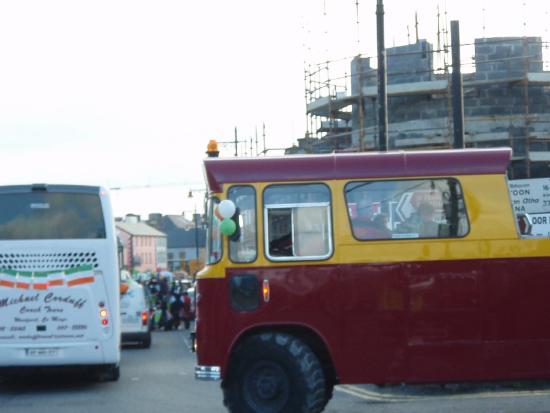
<point>272,373</point>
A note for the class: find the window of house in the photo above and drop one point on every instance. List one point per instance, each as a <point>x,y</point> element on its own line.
<point>423,208</point>
<point>297,222</point>
<point>243,244</point>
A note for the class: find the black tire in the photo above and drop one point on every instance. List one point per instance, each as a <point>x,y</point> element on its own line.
<point>109,372</point>
<point>329,390</point>
<point>274,373</point>
<point>113,373</point>
<point>146,343</point>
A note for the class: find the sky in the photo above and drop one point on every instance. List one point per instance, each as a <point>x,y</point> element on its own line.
<point>126,93</point>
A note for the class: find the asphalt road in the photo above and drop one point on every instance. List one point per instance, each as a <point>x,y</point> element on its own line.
<point>160,380</point>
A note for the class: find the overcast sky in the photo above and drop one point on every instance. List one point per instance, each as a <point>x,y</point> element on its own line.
<point>127,93</point>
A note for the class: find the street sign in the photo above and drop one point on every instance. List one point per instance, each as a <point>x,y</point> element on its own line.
<point>540,225</point>
<point>530,196</point>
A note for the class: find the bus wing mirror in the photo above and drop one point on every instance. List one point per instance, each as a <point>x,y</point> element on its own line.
<point>525,224</point>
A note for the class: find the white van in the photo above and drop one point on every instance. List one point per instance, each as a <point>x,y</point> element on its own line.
<point>59,286</point>
<point>134,312</point>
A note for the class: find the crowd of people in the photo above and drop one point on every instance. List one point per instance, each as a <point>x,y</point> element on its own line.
<point>170,304</point>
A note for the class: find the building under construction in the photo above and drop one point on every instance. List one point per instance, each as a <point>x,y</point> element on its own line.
<point>506,98</point>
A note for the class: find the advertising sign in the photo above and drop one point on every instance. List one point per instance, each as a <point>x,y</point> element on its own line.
<point>530,196</point>
<point>39,305</point>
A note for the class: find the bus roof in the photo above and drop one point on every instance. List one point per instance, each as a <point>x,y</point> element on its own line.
<point>84,189</point>
<point>366,165</point>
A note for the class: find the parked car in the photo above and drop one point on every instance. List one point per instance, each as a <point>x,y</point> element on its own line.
<point>134,313</point>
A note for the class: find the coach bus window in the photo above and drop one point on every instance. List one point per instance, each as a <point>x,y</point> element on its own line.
<point>297,222</point>
<point>213,236</point>
<point>51,215</point>
<point>242,246</point>
<point>427,208</point>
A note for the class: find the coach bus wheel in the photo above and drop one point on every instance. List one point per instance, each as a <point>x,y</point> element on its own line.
<point>113,373</point>
<point>274,372</point>
<point>109,372</point>
<point>146,343</point>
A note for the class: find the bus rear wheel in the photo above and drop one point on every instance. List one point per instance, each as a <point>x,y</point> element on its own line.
<point>109,372</point>
<point>272,373</point>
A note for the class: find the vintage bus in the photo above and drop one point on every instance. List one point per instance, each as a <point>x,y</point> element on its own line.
<point>59,282</point>
<point>398,267</point>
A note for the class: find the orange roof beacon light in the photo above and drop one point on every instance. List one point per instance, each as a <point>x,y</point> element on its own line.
<point>212,149</point>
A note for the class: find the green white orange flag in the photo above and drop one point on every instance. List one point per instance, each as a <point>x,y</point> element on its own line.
<point>56,279</point>
<point>7,278</point>
<point>80,275</point>
<point>44,280</point>
<point>40,281</point>
<point>23,280</point>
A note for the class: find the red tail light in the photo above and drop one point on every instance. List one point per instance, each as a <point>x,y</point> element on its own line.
<point>144,318</point>
<point>103,316</point>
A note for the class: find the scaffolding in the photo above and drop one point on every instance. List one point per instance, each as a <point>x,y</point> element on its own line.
<point>506,86</point>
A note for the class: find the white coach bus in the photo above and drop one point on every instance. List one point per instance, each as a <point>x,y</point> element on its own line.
<point>59,282</point>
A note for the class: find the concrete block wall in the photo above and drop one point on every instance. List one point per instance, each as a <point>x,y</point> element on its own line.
<point>505,57</point>
<point>404,64</point>
<point>362,74</point>
<point>410,63</point>
<point>495,114</point>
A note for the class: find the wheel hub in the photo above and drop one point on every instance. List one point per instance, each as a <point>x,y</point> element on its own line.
<point>268,386</point>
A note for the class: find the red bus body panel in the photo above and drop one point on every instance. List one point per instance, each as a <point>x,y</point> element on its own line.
<point>401,322</point>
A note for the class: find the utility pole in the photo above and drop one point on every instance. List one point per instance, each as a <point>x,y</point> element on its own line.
<point>256,133</point>
<point>457,90</point>
<point>382,100</point>
<point>263,135</point>
<point>236,143</point>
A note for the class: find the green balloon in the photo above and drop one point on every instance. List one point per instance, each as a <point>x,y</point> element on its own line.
<point>228,227</point>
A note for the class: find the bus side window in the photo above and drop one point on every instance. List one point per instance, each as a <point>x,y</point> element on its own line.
<point>297,219</point>
<point>402,209</point>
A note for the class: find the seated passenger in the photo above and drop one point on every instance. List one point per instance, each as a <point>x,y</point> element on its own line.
<point>377,228</point>
<point>427,227</point>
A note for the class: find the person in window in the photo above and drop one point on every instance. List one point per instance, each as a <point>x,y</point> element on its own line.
<point>427,227</point>
<point>366,228</point>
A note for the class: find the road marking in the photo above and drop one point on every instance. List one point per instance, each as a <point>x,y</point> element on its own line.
<point>396,398</point>
<point>350,390</point>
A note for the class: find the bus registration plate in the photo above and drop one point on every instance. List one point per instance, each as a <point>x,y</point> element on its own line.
<point>42,352</point>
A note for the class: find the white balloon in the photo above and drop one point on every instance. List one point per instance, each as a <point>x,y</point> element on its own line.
<point>227,208</point>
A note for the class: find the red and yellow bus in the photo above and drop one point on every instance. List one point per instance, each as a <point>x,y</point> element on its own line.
<point>405,267</point>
